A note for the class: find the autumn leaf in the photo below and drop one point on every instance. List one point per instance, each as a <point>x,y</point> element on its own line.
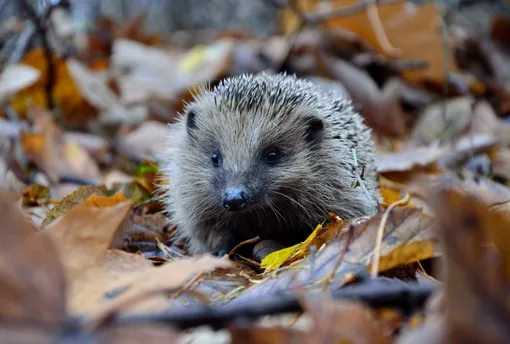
<point>56,157</point>
<point>73,106</point>
<point>475,242</point>
<point>275,259</point>
<point>78,196</point>
<point>35,297</point>
<point>16,77</point>
<point>104,201</point>
<point>415,32</point>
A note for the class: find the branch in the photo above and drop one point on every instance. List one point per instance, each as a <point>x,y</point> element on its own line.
<point>41,30</point>
<point>375,293</point>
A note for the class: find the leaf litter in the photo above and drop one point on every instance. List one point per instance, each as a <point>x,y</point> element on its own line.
<point>81,212</point>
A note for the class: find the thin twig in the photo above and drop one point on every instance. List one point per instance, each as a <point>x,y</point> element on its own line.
<point>350,235</point>
<point>188,285</point>
<point>380,232</point>
<point>246,242</point>
<point>41,30</point>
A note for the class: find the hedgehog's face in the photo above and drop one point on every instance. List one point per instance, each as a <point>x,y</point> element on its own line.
<point>248,161</point>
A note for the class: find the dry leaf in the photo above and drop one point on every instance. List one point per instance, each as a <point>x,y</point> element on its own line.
<point>147,139</point>
<point>72,105</point>
<point>31,277</point>
<point>438,123</point>
<point>105,201</point>
<point>16,77</point>
<point>78,196</point>
<point>377,107</point>
<point>84,233</point>
<point>414,30</point>
<point>407,159</point>
<point>82,236</point>
<point>53,155</point>
<point>342,321</point>
<point>275,259</point>
<point>157,280</point>
<point>477,266</point>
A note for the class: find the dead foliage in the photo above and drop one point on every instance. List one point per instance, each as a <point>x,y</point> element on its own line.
<point>88,254</point>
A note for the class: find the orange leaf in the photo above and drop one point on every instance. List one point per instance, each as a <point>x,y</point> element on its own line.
<point>105,201</point>
<point>416,32</point>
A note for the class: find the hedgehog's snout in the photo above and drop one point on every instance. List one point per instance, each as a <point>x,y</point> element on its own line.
<point>235,198</point>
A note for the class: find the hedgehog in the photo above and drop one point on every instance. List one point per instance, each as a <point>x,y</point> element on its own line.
<point>267,155</point>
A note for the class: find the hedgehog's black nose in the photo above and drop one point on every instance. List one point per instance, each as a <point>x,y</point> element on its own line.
<point>235,199</point>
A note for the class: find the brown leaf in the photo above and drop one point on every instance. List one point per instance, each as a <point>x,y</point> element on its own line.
<point>154,280</point>
<point>342,321</point>
<point>146,140</point>
<point>105,201</point>
<point>72,106</point>
<point>415,30</point>
<point>377,108</point>
<point>263,335</point>
<point>56,157</point>
<point>135,334</point>
<point>485,120</point>
<point>32,281</point>
<point>139,229</point>
<point>84,233</point>
<point>407,159</point>
<point>78,196</point>
<point>82,236</point>
<point>477,266</point>
<point>433,126</point>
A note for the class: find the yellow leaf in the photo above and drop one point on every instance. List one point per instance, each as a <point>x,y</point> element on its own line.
<point>105,201</point>
<point>406,253</point>
<point>276,259</point>
<point>76,197</point>
<point>193,59</point>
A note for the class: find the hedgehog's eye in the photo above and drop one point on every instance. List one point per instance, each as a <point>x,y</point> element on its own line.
<point>271,156</point>
<point>215,157</point>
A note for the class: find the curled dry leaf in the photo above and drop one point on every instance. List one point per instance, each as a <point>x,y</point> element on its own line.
<point>84,233</point>
<point>56,157</point>
<point>138,230</point>
<point>414,30</point>
<point>96,91</point>
<point>438,123</point>
<point>16,77</point>
<point>78,196</point>
<point>485,120</point>
<point>407,159</point>
<point>156,73</point>
<point>72,106</point>
<point>82,236</point>
<point>92,85</point>
<point>145,141</point>
<point>31,276</point>
<point>377,108</point>
<point>477,266</point>
<point>155,280</point>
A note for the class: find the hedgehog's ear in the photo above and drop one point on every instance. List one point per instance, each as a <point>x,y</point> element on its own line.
<point>314,130</point>
<point>191,121</point>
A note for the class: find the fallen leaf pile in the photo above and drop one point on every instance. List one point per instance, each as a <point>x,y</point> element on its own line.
<point>87,253</point>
